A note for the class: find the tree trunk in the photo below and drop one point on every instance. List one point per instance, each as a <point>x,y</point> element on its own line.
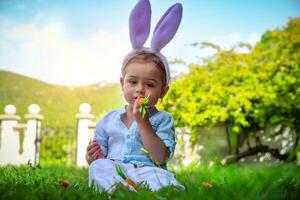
<point>259,149</point>
<point>228,138</point>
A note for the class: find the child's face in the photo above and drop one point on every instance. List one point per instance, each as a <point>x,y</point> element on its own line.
<point>142,79</point>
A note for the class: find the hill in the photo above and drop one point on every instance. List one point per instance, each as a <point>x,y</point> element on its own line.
<point>59,104</point>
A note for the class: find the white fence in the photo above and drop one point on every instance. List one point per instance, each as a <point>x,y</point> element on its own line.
<point>19,142</point>
<point>13,149</point>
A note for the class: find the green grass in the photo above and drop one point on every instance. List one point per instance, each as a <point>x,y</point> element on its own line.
<point>232,182</point>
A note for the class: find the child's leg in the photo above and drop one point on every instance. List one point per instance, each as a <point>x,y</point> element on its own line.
<point>102,173</point>
<point>155,177</point>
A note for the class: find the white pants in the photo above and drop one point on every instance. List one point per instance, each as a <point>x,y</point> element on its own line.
<point>103,174</point>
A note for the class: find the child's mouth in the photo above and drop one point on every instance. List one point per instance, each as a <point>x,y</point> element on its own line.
<point>138,97</point>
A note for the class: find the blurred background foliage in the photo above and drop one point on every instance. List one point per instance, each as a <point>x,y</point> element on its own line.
<point>255,95</point>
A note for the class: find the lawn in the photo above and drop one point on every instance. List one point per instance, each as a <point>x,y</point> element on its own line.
<point>230,182</point>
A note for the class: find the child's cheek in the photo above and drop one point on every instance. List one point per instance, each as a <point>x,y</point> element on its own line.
<point>152,102</point>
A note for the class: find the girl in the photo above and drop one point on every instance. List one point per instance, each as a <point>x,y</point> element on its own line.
<point>123,134</point>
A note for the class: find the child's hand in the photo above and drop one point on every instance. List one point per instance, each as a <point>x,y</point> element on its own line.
<point>94,152</point>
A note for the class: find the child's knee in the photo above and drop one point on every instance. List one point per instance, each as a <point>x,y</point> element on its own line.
<point>101,165</point>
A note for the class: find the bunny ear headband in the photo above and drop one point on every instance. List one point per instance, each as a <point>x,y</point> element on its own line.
<point>139,29</point>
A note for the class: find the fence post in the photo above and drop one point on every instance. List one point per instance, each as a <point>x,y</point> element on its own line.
<point>83,137</point>
<point>9,139</point>
<point>32,137</point>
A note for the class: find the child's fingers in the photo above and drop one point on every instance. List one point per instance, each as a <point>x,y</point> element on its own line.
<point>93,150</point>
<point>92,145</point>
<point>95,155</point>
<point>136,104</point>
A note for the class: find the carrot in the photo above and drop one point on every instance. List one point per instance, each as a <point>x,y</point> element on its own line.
<point>132,183</point>
<point>143,105</point>
<point>140,101</point>
<point>126,179</point>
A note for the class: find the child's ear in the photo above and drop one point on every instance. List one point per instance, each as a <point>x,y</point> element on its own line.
<point>122,83</point>
<point>164,91</point>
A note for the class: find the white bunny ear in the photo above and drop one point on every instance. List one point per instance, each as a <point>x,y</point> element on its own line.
<point>166,27</point>
<point>139,24</point>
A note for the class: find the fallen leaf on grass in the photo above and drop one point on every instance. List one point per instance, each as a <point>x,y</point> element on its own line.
<point>223,162</point>
<point>64,183</point>
<point>207,185</point>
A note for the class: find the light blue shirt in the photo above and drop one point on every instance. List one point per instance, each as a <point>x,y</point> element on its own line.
<point>124,144</point>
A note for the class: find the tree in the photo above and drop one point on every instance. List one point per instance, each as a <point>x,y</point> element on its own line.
<point>249,92</point>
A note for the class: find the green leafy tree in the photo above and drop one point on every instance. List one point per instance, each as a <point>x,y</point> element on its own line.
<point>248,92</point>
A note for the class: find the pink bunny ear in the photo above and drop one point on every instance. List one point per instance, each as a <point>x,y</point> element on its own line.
<point>139,24</point>
<point>166,27</point>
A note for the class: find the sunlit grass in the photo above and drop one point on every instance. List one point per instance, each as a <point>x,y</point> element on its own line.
<point>231,182</point>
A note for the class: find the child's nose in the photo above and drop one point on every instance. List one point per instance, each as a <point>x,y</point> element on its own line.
<point>140,89</point>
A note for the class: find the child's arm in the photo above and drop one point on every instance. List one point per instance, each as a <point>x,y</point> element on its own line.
<point>98,147</point>
<point>152,143</point>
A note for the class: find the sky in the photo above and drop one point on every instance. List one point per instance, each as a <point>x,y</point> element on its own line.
<point>77,43</point>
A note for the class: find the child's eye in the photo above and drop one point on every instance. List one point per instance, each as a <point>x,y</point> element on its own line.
<point>132,82</point>
<point>150,85</point>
